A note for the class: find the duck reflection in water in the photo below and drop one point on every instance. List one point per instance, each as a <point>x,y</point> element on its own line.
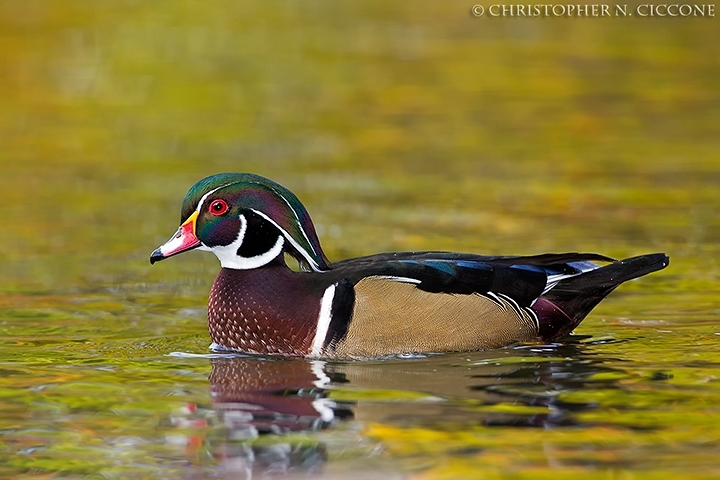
<point>255,396</point>
<point>268,395</point>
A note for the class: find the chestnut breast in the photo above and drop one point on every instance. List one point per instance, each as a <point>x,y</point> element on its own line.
<point>264,310</point>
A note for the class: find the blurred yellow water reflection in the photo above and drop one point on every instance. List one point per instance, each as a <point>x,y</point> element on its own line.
<point>401,126</point>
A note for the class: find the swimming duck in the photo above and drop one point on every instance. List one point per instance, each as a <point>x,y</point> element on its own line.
<point>378,305</point>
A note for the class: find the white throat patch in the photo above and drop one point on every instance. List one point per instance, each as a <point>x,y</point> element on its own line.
<point>228,254</point>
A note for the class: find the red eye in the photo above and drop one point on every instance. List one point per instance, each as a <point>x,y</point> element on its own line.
<point>218,207</point>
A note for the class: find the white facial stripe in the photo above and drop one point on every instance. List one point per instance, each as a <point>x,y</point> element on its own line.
<point>296,217</point>
<point>228,253</point>
<point>323,323</point>
<point>229,258</point>
<point>292,241</point>
<point>204,197</point>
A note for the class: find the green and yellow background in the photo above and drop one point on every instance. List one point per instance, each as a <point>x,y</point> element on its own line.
<point>401,126</point>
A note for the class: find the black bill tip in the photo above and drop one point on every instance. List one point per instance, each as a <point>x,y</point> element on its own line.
<point>156,256</point>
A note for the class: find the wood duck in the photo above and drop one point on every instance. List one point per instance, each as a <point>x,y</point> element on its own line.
<point>379,305</point>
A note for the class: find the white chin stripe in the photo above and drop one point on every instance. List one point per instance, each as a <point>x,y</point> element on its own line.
<point>228,254</point>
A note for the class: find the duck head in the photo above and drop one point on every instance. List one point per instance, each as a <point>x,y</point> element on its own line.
<point>247,221</point>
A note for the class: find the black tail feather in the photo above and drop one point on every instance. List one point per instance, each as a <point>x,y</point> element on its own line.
<point>562,308</point>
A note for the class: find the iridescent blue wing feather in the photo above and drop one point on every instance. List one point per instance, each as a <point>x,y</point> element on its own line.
<point>523,279</point>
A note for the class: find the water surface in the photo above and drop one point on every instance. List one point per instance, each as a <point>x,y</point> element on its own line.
<point>404,126</point>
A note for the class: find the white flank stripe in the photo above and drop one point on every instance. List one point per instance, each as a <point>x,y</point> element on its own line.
<point>511,302</point>
<point>398,279</point>
<point>323,322</point>
<point>495,299</point>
